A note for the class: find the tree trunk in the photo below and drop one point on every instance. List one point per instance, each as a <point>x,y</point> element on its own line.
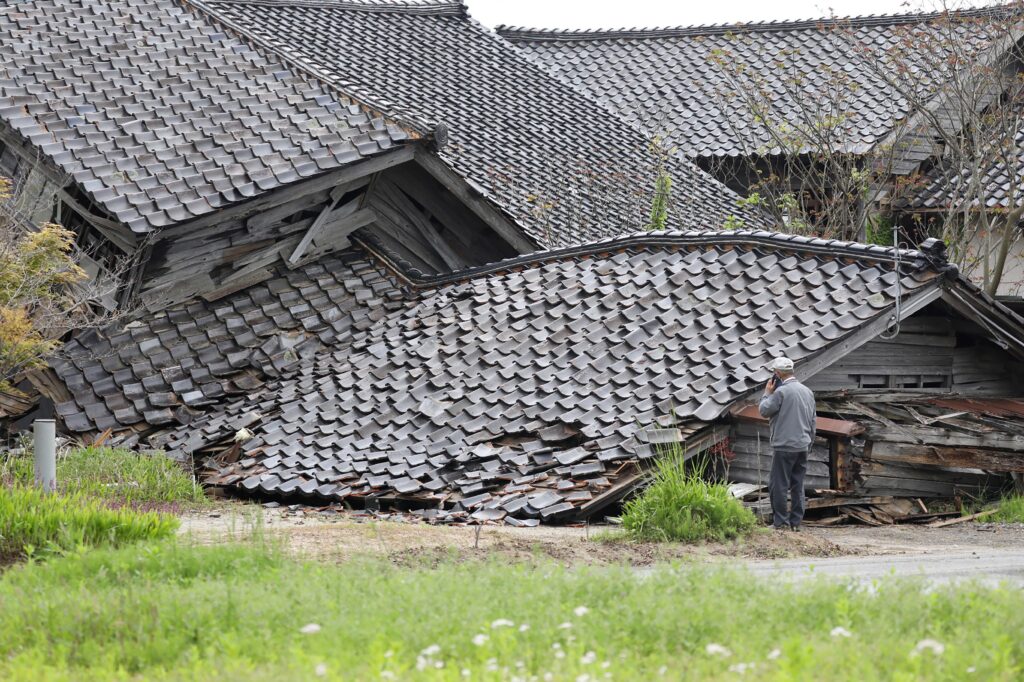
<point>1006,239</point>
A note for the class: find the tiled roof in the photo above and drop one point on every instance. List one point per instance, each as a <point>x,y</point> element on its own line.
<point>944,188</point>
<point>667,79</point>
<point>548,375</point>
<point>564,167</point>
<point>167,367</point>
<point>160,115</point>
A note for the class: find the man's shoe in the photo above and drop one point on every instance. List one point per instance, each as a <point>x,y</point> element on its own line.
<point>780,527</point>
<point>795,529</point>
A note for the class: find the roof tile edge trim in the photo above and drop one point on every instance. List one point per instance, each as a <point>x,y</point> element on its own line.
<point>524,33</point>
<point>776,240</point>
<point>431,7</point>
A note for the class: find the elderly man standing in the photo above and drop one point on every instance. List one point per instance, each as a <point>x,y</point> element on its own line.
<point>789,405</point>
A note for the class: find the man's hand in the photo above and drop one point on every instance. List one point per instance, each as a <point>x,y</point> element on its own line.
<point>769,388</point>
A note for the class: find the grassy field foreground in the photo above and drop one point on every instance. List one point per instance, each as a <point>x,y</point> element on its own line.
<point>173,611</point>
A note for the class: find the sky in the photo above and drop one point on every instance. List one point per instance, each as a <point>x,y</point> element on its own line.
<point>647,13</point>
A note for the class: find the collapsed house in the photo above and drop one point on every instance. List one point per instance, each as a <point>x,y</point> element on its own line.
<point>540,387</point>
<point>170,137</point>
<point>342,291</point>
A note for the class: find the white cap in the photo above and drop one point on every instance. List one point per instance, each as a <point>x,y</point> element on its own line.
<point>781,364</point>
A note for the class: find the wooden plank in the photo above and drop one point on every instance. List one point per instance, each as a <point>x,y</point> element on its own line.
<point>962,519</point>
<point>398,199</point>
<point>940,456</point>
<point>484,209</point>
<point>925,435</point>
<point>307,239</point>
<point>270,217</point>
<point>334,235</point>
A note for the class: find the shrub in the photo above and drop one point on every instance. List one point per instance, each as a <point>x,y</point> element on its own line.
<point>1010,510</point>
<point>116,475</point>
<point>680,505</point>
<point>32,520</point>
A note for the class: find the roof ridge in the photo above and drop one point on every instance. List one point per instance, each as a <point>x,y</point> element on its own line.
<point>929,255</point>
<point>431,7</point>
<point>521,33</point>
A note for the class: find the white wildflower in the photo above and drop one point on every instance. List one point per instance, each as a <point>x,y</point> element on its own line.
<point>606,664</point>
<point>937,648</point>
<point>422,663</point>
<point>548,677</point>
<point>389,653</point>
<point>432,650</point>
<point>774,654</point>
<point>583,678</point>
<point>388,675</point>
<point>972,670</point>
<point>556,645</point>
<point>524,627</point>
<point>320,670</point>
<point>840,631</point>
<point>717,650</point>
<point>559,654</point>
<point>588,658</point>
<point>465,672</point>
<point>480,640</point>
<point>662,670</point>
<point>581,611</point>
<point>564,626</point>
<point>310,629</point>
<point>501,623</point>
<point>741,668</point>
<point>438,664</point>
<point>492,665</point>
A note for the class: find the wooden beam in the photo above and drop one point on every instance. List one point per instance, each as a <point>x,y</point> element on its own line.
<point>315,227</point>
<point>504,226</point>
<point>293,191</point>
<point>336,232</point>
<point>946,456</point>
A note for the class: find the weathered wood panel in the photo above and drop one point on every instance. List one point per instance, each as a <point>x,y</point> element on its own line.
<point>753,457</point>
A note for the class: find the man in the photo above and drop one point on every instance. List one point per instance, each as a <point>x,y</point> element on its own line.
<point>789,405</point>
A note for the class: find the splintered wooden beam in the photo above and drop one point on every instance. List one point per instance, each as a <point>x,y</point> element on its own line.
<point>335,233</point>
<point>307,239</point>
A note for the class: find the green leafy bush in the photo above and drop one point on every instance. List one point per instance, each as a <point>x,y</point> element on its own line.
<point>116,475</point>
<point>32,520</point>
<point>680,505</point>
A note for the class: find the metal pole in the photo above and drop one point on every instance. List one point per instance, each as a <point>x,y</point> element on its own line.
<point>46,453</point>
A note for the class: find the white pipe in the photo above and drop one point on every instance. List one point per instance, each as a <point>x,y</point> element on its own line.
<point>46,453</point>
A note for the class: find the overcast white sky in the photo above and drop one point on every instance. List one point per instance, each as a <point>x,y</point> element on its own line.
<point>646,13</point>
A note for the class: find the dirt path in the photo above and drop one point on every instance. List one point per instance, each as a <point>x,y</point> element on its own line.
<point>340,536</point>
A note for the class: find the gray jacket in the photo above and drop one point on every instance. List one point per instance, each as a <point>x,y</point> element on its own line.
<point>792,413</point>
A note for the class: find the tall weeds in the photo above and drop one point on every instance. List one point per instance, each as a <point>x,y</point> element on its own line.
<point>681,505</point>
<point>32,522</point>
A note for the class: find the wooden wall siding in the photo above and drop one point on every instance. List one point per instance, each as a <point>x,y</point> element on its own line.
<point>929,353</point>
<point>403,206</point>
<point>884,474</point>
<point>753,461</point>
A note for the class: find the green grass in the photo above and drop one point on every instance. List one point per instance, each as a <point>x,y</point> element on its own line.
<point>32,522</point>
<point>169,611</point>
<point>1009,510</point>
<point>680,505</point>
<point>119,476</point>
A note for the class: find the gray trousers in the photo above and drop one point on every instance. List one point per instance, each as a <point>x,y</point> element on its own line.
<point>787,479</point>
